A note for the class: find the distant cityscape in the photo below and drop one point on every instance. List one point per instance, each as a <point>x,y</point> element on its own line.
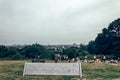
<point>50,47</point>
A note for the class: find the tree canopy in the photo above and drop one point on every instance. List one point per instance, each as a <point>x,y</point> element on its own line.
<point>107,42</point>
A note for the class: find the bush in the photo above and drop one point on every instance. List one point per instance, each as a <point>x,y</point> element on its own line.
<point>17,57</point>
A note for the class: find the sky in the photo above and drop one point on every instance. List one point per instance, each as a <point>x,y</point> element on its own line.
<point>55,21</point>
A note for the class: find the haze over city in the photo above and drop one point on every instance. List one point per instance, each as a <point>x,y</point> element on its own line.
<point>55,21</point>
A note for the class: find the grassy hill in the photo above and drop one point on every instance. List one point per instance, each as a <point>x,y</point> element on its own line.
<point>13,70</point>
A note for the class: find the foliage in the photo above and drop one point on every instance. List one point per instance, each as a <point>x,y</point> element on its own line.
<point>33,51</point>
<point>72,52</point>
<point>83,50</point>
<point>3,51</point>
<point>29,51</point>
<point>108,41</point>
<point>11,52</point>
<point>17,57</point>
<point>92,47</point>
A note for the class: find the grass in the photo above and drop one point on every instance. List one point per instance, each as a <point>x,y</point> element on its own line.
<point>101,71</point>
<point>13,70</point>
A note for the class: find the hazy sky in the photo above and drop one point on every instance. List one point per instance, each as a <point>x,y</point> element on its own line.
<point>55,21</point>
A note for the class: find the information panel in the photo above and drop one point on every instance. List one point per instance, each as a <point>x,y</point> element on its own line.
<point>52,69</point>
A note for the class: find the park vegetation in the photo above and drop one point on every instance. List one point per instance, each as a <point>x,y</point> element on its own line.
<point>106,43</point>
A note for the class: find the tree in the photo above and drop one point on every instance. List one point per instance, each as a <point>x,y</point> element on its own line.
<point>83,50</point>
<point>92,48</point>
<point>17,56</point>
<point>34,50</point>
<point>71,52</point>
<point>11,52</point>
<point>108,41</point>
<point>3,51</point>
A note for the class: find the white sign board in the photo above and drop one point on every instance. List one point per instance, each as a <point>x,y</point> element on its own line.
<point>52,69</point>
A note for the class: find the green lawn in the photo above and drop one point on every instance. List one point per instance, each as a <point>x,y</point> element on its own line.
<point>13,70</point>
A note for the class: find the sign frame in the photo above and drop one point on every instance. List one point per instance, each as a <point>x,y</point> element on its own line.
<point>73,66</point>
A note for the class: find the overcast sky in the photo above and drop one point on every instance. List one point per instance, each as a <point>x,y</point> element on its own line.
<point>55,21</point>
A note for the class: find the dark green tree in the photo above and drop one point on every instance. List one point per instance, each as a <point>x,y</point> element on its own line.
<point>92,48</point>
<point>83,50</point>
<point>35,50</point>
<point>17,56</point>
<point>72,52</point>
<point>3,51</point>
<point>11,52</point>
<point>108,41</point>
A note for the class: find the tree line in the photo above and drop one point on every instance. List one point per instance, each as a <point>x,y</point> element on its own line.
<point>38,51</point>
<point>26,52</point>
<point>106,43</point>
